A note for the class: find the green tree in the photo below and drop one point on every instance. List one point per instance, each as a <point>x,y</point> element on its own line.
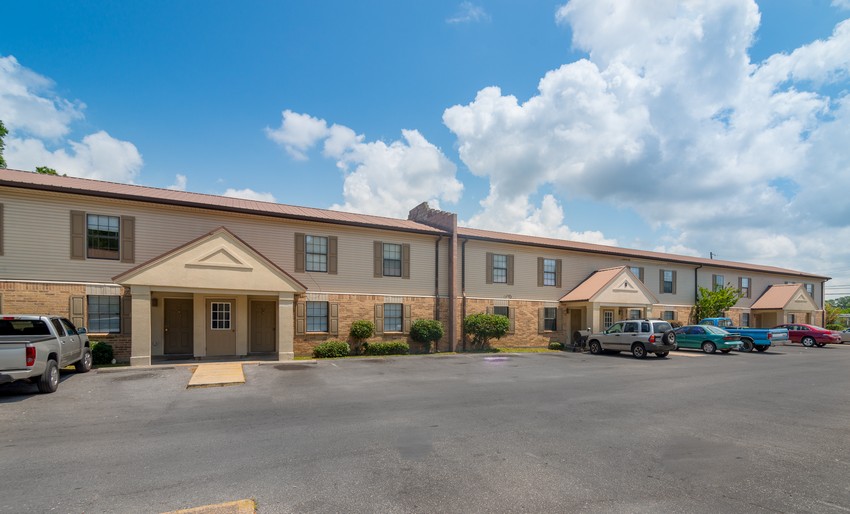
<point>44,170</point>
<point>712,304</point>
<point>841,303</point>
<point>831,313</point>
<point>483,327</point>
<point>426,331</point>
<point>360,331</point>
<point>3,133</point>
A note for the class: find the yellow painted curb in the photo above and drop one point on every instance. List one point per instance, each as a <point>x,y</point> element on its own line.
<point>218,374</point>
<point>237,507</point>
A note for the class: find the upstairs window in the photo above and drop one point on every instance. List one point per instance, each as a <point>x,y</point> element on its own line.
<point>717,282</point>
<point>744,287</point>
<point>810,288</point>
<point>500,269</point>
<point>317,253</point>
<point>549,272</point>
<point>637,271</point>
<point>668,281</point>
<point>102,237</point>
<point>392,260</point>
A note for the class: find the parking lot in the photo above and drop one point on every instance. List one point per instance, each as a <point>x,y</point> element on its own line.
<point>459,433</point>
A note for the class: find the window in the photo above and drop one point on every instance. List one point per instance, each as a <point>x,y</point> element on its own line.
<point>104,314</point>
<point>550,319</point>
<point>392,260</point>
<point>635,314</point>
<point>717,282</point>
<point>810,288</point>
<point>607,319</point>
<point>668,315</point>
<point>220,315</point>
<point>745,319</point>
<point>637,271</point>
<point>744,287</point>
<point>500,269</point>
<point>317,316</point>
<point>549,272</point>
<point>790,319</point>
<point>317,253</point>
<point>102,241</point>
<point>616,328</point>
<point>392,317</point>
<point>631,326</point>
<point>502,311</point>
<point>668,281</point>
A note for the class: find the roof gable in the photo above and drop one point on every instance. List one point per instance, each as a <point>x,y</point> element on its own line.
<point>612,285</point>
<point>786,297</point>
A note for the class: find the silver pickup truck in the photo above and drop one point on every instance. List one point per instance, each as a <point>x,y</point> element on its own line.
<point>35,347</point>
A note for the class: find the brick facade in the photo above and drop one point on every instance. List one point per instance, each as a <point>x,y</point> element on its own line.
<point>526,333</point>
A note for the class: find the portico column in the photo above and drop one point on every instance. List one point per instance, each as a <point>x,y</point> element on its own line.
<point>286,327</point>
<point>140,339</point>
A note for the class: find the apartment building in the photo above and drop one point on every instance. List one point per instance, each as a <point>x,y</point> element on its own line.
<point>166,274</point>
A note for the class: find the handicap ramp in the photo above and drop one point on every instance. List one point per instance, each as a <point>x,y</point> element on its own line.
<point>217,374</point>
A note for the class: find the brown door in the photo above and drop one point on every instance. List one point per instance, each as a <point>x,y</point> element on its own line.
<point>263,316</point>
<point>179,324</point>
<point>221,327</point>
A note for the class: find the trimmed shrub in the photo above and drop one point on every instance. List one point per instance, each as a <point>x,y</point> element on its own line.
<point>484,327</point>
<point>555,345</point>
<point>361,329</point>
<point>425,331</point>
<point>331,349</point>
<point>834,326</point>
<point>386,348</point>
<point>101,353</point>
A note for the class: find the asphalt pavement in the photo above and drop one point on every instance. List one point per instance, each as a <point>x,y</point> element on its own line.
<point>552,432</point>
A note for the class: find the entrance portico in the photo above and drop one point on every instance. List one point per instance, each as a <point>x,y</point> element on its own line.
<point>217,290</point>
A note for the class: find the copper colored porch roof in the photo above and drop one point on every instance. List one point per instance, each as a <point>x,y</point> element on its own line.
<point>89,187</point>
<point>563,244</point>
<point>592,285</point>
<point>777,296</point>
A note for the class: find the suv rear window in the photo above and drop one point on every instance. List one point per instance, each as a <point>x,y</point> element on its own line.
<point>660,328</point>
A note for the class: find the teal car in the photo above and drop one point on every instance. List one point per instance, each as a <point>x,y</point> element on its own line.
<point>707,338</point>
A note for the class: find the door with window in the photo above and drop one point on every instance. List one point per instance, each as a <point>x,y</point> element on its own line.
<point>179,325</point>
<point>221,327</point>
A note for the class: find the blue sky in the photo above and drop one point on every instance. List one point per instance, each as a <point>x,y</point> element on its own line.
<point>661,125</point>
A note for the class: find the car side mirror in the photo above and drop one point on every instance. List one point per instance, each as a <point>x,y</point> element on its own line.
<point>82,330</point>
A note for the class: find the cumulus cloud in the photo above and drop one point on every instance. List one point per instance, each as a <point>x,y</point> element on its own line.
<point>249,194</point>
<point>669,117</point>
<point>179,184</point>
<point>842,4</point>
<point>386,179</point>
<point>39,122</point>
<point>467,12</point>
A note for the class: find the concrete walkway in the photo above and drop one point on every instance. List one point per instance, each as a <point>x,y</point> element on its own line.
<point>217,374</point>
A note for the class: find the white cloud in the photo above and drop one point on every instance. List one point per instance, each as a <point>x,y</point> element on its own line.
<point>179,183</point>
<point>669,117</point>
<point>467,12</point>
<point>841,4</point>
<point>39,122</point>
<point>379,178</point>
<point>249,194</point>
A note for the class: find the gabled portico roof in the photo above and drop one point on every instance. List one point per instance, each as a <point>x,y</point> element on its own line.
<point>785,297</point>
<point>617,284</point>
<point>218,260</point>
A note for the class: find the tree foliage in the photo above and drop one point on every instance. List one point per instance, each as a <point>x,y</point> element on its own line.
<point>426,331</point>
<point>3,133</point>
<point>831,313</point>
<point>44,170</point>
<point>483,327</point>
<point>712,304</point>
<point>842,303</point>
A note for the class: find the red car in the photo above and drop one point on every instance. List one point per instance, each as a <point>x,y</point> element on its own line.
<point>810,335</point>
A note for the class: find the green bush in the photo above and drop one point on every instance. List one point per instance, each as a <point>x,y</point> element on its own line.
<point>426,331</point>
<point>361,329</point>
<point>101,353</point>
<point>555,345</point>
<point>387,348</point>
<point>834,326</point>
<point>483,327</point>
<point>331,349</point>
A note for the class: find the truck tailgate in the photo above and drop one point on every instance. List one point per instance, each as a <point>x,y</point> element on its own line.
<point>13,355</point>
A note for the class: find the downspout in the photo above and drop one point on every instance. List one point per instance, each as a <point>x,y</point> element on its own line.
<point>463,291</point>
<point>696,293</point>
<point>437,277</point>
<point>823,302</point>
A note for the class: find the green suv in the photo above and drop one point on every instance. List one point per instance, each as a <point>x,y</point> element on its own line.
<point>638,336</point>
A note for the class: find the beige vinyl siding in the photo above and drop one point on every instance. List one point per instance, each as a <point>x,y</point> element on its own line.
<point>759,282</point>
<point>31,218</point>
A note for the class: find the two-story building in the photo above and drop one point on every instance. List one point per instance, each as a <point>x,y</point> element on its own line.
<point>166,274</point>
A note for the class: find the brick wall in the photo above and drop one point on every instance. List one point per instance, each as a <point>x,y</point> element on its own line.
<point>526,316</point>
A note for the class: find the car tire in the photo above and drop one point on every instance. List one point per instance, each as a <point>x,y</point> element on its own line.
<point>709,347</point>
<point>84,364</point>
<point>747,345</point>
<point>595,348</point>
<point>725,351</point>
<point>639,351</point>
<point>807,341</point>
<point>662,355</point>
<point>761,348</point>
<point>48,382</point>
<point>669,338</point>
<point>820,345</point>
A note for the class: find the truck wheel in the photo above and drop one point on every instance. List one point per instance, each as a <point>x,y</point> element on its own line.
<point>747,345</point>
<point>638,351</point>
<point>669,338</point>
<point>84,364</point>
<point>709,347</point>
<point>595,347</point>
<point>49,381</point>
<point>808,342</point>
<point>761,348</point>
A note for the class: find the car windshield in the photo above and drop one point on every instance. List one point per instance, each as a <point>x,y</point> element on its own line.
<point>660,328</point>
<point>715,330</point>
